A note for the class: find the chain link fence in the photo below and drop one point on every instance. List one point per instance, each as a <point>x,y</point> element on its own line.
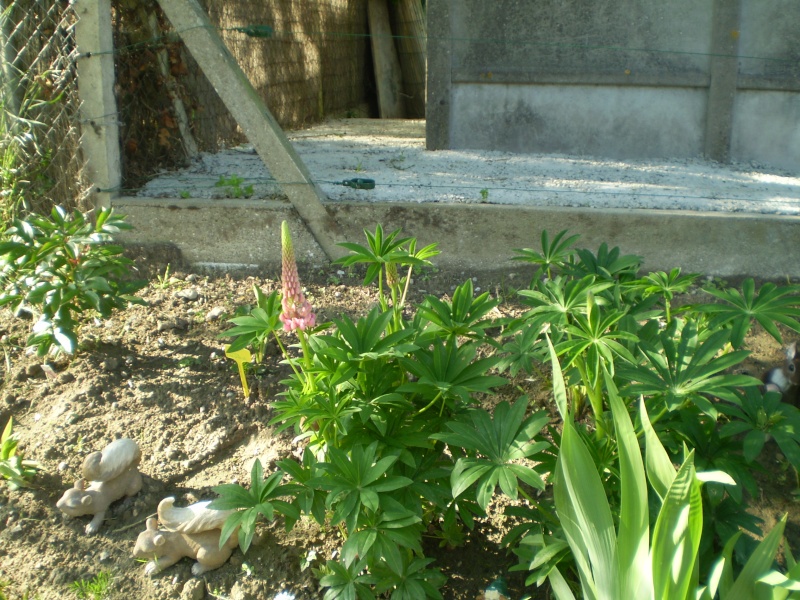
<point>40,161</point>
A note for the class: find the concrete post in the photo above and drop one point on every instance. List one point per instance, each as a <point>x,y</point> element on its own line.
<point>437,108</point>
<point>99,120</point>
<point>246,106</point>
<point>724,75</point>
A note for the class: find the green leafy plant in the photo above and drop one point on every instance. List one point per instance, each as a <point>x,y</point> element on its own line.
<point>464,315</point>
<point>253,330</point>
<point>623,562</point>
<point>383,255</point>
<point>494,448</point>
<point>62,267</point>
<point>263,499</point>
<point>685,365</point>
<point>612,327</point>
<point>95,588</point>
<point>28,107</point>
<point>14,468</point>
<point>555,254</point>
<point>162,282</point>
<point>761,417</point>
<point>665,285</point>
<point>233,187</point>
<point>770,305</point>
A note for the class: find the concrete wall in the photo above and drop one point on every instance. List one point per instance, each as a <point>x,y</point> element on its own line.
<point>617,78</point>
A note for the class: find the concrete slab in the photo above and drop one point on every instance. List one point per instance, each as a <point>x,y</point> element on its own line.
<point>476,235</point>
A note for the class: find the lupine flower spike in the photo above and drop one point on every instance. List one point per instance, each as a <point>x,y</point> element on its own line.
<point>296,312</point>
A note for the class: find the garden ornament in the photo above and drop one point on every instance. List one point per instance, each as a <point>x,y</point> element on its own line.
<point>111,474</point>
<point>193,532</point>
<point>786,379</point>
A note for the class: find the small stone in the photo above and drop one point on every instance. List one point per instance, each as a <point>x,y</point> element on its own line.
<point>215,313</point>
<point>104,556</point>
<point>188,295</point>
<point>65,377</point>
<point>337,294</point>
<point>63,466</point>
<point>9,398</point>
<point>193,589</point>
<point>111,364</point>
<point>34,370</point>
<point>192,277</point>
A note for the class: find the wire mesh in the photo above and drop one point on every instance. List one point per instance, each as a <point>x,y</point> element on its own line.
<point>40,162</point>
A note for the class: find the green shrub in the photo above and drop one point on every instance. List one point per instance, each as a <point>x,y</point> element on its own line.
<point>61,267</point>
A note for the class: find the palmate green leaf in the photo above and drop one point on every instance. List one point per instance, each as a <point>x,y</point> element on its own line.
<point>382,250</point>
<point>560,299</point>
<point>554,254</point>
<point>367,339</point>
<point>384,535</point>
<point>681,367</point>
<point>607,264</point>
<point>347,583</point>
<point>355,481</point>
<point>450,369</point>
<point>463,316</point>
<point>498,442</point>
<point>412,581</point>
<point>770,305</point>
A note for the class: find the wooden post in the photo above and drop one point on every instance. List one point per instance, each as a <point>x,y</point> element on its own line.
<point>246,106</point>
<point>99,120</point>
<point>409,16</point>
<point>388,76</point>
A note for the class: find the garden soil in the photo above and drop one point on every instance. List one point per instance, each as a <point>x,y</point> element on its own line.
<point>158,374</point>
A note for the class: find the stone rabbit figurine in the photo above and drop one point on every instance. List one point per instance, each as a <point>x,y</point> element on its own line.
<point>112,474</point>
<point>193,532</point>
<point>786,379</point>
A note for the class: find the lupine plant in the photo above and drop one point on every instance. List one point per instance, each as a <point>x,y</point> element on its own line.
<point>397,444</point>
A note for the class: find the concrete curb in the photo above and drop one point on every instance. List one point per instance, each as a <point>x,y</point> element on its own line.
<point>246,233</point>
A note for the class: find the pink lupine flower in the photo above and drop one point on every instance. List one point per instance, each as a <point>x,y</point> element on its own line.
<point>296,312</point>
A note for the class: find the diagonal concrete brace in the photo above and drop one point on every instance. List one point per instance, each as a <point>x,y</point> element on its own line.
<point>246,106</point>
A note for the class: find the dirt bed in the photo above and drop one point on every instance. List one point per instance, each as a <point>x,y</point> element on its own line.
<point>158,374</point>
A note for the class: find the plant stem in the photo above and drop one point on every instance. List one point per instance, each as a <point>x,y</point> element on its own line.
<point>432,402</point>
<point>290,360</point>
